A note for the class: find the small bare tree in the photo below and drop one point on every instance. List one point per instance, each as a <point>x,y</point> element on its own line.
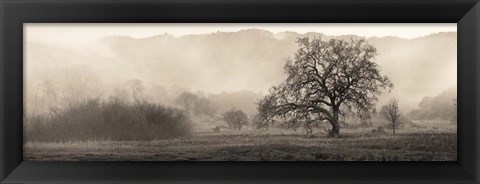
<point>391,113</point>
<point>136,87</point>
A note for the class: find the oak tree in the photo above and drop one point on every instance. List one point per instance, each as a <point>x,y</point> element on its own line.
<point>324,76</point>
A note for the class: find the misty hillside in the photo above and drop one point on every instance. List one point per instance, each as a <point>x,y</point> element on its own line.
<point>258,51</point>
<point>249,60</point>
<point>440,107</point>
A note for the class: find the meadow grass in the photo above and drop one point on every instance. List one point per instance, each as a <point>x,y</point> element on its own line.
<point>255,146</point>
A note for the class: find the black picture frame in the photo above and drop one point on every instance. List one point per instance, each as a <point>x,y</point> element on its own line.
<point>13,13</point>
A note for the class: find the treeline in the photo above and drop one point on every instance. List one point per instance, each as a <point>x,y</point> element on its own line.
<point>76,84</point>
<point>112,119</point>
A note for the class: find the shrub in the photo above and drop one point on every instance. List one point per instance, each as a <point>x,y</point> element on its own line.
<point>216,129</point>
<point>113,119</point>
<point>235,118</point>
<point>379,130</point>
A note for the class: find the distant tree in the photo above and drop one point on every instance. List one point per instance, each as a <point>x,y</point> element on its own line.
<point>324,76</point>
<point>187,100</point>
<point>235,118</point>
<point>49,90</point>
<point>205,106</point>
<point>136,88</point>
<point>195,104</point>
<point>391,113</point>
<point>78,84</point>
<point>46,93</point>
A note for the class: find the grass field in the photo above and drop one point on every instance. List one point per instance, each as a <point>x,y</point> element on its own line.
<point>433,145</point>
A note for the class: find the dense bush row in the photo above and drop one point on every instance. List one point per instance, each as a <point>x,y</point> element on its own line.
<point>113,119</point>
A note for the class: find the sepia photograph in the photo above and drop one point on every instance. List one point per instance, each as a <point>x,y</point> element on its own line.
<point>240,92</point>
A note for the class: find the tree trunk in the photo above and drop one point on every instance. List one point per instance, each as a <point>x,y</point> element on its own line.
<point>335,132</point>
<point>393,128</point>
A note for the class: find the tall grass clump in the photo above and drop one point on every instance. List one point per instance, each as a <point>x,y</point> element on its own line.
<point>113,119</point>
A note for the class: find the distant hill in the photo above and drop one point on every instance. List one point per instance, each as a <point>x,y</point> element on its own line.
<point>418,67</point>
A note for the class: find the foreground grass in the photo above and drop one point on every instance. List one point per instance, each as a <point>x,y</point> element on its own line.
<point>291,147</point>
